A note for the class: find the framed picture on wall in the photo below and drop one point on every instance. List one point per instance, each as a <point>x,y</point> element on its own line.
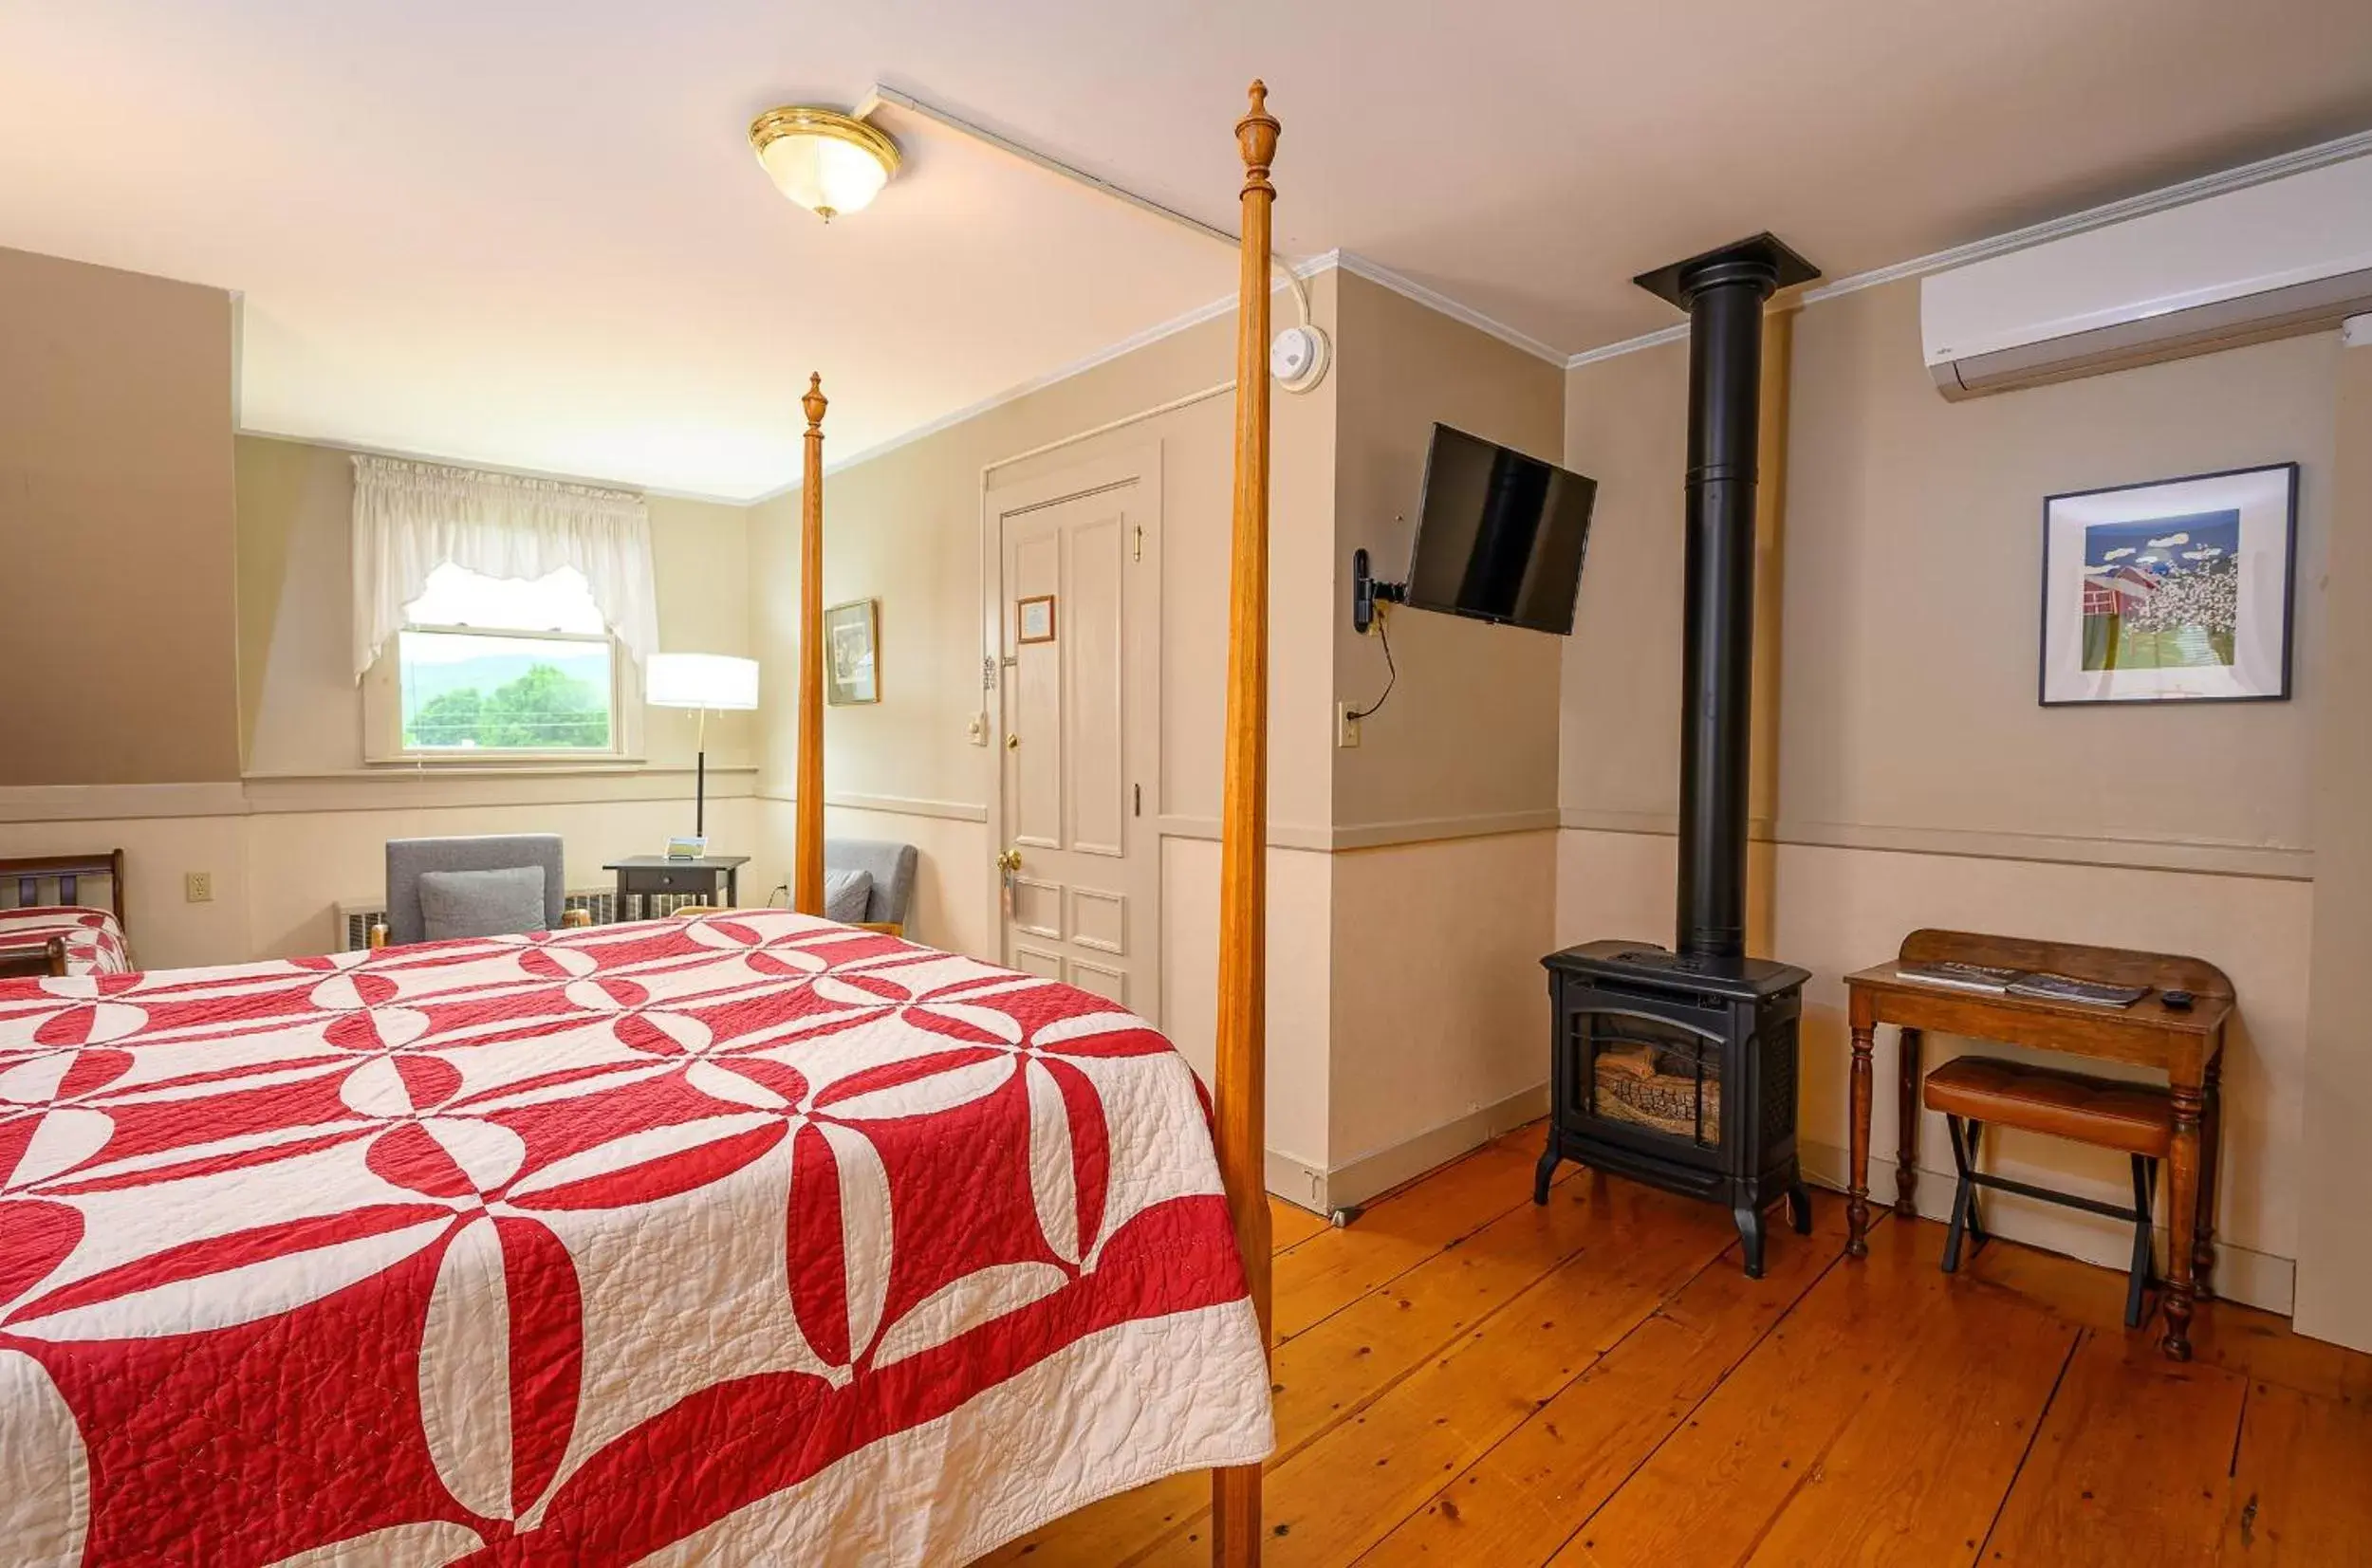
<point>852,669</point>
<point>2176,591</point>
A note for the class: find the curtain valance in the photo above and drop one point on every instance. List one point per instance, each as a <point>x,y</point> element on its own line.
<point>411,517</point>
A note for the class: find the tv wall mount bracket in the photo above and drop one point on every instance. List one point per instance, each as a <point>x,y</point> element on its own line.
<point>1367,591</point>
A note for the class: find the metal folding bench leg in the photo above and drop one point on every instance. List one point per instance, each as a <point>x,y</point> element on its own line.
<point>1966,1138</point>
<point>1964,1219</point>
<point>2144,1182</point>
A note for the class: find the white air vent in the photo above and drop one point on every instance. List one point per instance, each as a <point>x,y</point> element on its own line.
<point>357,916</point>
<point>2290,255</point>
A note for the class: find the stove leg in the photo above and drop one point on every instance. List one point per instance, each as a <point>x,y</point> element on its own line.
<point>1800,1208</point>
<point>1751,1238</point>
<point>1545,1172</point>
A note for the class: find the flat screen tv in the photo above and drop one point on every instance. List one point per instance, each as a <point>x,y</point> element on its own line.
<point>1500,536</point>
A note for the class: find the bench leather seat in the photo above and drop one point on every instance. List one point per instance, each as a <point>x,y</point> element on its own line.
<point>2136,1117</point>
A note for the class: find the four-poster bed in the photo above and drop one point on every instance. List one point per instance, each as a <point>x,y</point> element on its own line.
<point>747,1237</point>
<point>1239,1088</point>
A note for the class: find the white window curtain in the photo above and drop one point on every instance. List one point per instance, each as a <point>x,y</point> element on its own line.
<point>411,517</point>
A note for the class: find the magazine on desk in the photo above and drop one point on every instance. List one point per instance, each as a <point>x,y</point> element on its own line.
<point>2036,984</point>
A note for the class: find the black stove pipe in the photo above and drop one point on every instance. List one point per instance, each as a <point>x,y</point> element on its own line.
<point>1723,292</point>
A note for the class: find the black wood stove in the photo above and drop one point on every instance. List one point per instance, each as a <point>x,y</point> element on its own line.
<point>1680,1068</point>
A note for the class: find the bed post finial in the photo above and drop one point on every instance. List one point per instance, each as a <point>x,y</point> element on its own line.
<point>1255,135</point>
<point>807,879</point>
<point>1239,1089</point>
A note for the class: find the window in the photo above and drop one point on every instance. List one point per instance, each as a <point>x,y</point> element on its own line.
<point>505,666</point>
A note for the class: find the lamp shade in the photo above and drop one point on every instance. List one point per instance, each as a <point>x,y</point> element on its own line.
<point>826,162</point>
<point>701,681</point>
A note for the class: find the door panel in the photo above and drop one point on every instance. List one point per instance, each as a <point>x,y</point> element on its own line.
<point>1091,697</point>
<point>1107,982</point>
<point>1080,731</point>
<point>1099,920</point>
<point>1037,709</point>
<point>1037,906</point>
<point>1037,961</point>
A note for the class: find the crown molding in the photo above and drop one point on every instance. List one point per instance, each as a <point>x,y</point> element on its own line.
<point>2182,194</point>
<point>1375,272</point>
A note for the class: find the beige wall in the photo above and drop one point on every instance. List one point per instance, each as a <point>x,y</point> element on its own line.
<point>1444,880</point>
<point>2335,1184</point>
<point>116,516</point>
<point>1470,728</point>
<point>214,726</point>
<point>905,527</point>
<point>1915,571</point>
<point>1917,781</point>
<point>301,712</point>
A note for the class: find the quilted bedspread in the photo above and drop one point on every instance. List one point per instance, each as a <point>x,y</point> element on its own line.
<point>743,1239</point>
<point>94,943</point>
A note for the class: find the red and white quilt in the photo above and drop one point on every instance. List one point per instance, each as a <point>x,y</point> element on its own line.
<point>743,1239</point>
<point>94,943</point>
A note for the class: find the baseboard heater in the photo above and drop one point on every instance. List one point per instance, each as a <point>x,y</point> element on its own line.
<point>357,916</point>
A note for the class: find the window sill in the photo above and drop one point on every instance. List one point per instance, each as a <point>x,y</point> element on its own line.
<point>515,762</point>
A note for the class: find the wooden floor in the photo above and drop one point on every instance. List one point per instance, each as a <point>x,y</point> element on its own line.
<point>1465,1378</point>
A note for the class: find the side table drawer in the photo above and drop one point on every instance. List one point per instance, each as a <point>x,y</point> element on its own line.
<point>669,879</point>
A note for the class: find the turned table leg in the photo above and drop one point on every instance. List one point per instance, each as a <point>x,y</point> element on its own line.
<point>1857,1189</point>
<point>1907,1134</point>
<point>2211,1138</point>
<point>2182,1209</point>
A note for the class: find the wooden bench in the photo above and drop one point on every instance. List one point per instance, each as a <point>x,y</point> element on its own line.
<point>2136,1120</point>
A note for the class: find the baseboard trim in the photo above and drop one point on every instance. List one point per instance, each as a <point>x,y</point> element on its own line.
<point>2196,856</point>
<point>2252,1278</point>
<point>1362,1178</point>
<point>1295,1180</point>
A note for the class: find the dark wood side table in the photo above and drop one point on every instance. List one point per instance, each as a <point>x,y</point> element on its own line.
<point>639,876</point>
<point>2186,1044</point>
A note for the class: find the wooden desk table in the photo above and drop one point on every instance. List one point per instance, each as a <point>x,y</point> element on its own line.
<point>2186,1046</point>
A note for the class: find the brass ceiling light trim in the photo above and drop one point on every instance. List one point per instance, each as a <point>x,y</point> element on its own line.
<point>826,162</point>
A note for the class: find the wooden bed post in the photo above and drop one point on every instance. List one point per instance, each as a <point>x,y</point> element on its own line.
<point>807,882</point>
<point>1240,1094</point>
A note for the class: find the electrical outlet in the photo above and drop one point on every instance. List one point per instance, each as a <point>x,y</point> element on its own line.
<point>198,887</point>
<point>1346,726</point>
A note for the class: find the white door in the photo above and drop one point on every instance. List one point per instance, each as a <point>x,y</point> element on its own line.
<point>1080,734</point>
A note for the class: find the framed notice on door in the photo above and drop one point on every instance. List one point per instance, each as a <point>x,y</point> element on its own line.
<point>1033,618</point>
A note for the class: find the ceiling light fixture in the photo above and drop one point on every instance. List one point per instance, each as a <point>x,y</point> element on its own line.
<point>826,162</point>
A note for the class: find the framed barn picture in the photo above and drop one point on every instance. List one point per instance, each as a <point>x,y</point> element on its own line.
<point>2175,591</point>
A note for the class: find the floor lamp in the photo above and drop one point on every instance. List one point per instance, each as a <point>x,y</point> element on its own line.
<point>703,681</point>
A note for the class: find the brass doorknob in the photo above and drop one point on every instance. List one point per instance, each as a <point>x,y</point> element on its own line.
<point>1013,743</point>
<point>1009,862</point>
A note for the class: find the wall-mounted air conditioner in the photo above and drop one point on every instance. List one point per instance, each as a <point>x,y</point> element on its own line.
<point>2291,255</point>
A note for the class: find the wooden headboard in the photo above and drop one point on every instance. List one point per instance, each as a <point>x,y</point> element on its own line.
<point>22,876</point>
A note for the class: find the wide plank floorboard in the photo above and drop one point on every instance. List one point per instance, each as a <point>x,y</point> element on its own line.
<point>1463,1378</point>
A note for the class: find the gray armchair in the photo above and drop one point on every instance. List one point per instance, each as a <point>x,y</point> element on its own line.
<point>892,866</point>
<point>409,859</point>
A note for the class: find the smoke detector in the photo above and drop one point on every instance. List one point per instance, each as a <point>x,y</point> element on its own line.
<point>1298,358</point>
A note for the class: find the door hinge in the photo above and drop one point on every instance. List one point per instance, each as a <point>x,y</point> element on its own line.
<point>1136,550</point>
<point>987,674</point>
